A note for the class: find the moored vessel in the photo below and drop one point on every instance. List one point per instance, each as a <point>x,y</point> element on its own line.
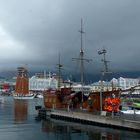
<point>80,95</point>
<point>22,85</point>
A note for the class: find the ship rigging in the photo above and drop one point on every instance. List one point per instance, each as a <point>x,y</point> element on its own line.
<point>82,59</point>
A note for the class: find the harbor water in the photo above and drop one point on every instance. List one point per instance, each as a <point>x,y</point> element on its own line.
<point>18,121</point>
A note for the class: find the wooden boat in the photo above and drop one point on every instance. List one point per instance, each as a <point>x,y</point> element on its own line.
<point>97,100</point>
<point>22,85</point>
<point>56,98</point>
<point>69,98</point>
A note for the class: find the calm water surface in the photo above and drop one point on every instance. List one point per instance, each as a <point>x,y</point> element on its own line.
<point>17,122</point>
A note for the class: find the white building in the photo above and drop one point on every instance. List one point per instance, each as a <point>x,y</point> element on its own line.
<point>126,83</point>
<point>120,83</point>
<point>40,83</point>
<point>78,87</point>
<point>105,86</point>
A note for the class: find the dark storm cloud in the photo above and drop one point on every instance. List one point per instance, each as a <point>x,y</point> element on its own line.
<point>34,32</point>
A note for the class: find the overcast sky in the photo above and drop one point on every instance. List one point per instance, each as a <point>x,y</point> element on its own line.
<point>34,32</point>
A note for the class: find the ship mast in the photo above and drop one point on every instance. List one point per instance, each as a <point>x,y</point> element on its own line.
<point>82,54</point>
<point>105,71</point>
<point>105,62</point>
<point>82,59</point>
<point>59,67</point>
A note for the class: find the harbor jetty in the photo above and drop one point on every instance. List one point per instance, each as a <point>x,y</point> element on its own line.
<point>83,117</point>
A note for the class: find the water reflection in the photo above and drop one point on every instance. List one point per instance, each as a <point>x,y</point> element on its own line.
<point>17,122</point>
<point>20,110</point>
<point>60,130</point>
<point>72,131</point>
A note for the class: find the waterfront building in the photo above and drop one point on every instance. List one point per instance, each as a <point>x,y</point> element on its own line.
<point>120,83</point>
<point>105,86</point>
<point>40,82</point>
<point>78,87</point>
<point>7,85</point>
<point>126,83</point>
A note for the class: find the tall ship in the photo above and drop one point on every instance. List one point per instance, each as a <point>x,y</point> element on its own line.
<point>56,97</point>
<point>69,97</point>
<point>22,85</point>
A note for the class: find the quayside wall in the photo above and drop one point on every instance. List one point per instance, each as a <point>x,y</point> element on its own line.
<point>90,119</point>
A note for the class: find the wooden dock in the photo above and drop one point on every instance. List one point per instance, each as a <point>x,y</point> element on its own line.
<point>90,119</point>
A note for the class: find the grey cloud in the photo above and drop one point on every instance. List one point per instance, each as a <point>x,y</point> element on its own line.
<point>46,28</point>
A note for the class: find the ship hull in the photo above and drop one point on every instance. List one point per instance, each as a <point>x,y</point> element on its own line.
<point>55,99</point>
<point>52,100</point>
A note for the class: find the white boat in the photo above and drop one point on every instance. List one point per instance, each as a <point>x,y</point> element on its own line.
<point>39,96</point>
<point>130,111</point>
<point>26,96</point>
<point>22,85</point>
